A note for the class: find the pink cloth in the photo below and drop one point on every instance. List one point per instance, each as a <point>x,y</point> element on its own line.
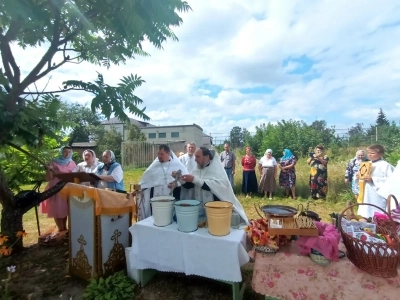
<point>327,243</point>
<point>57,206</point>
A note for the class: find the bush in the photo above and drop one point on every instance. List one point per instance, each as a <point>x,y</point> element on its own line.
<point>116,287</point>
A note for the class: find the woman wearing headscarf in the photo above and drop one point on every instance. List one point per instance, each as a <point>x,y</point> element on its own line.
<point>267,166</point>
<point>352,168</point>
<point>88,165</point>
<point>56,206</point>
<point>249,181</point>
<point>318,162</point>
<point>110,172</point>
<point>287,176</point>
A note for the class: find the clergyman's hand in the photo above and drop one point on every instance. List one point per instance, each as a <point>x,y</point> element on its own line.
<point>173,174</point>
<point>187,178</point>
<point>171,185</point>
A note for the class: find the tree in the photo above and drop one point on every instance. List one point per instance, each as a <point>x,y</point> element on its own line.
<point>237,137</point>
<point>79,119</point>
<point>109,140</point>
<point>135,134</point>
<point>381,120</point>
<point>357,135</point>
<point>374,130</point>
<point>71,31</point>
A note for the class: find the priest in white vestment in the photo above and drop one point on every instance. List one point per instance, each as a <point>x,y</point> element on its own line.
<point>208,182</point>
<point>188,159</point>
<point>156,178</point>
<point>381,171</point>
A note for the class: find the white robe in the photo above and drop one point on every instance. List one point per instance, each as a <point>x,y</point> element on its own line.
<point>392,186</point>
<point>381,171</point>
<point>215,177</point>
<point>188,161</point>
<point>157,176</point>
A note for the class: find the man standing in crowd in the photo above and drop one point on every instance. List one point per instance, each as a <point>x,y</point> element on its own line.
<point>156,178</point>
<point>188,159</point>
<point>228,160</point>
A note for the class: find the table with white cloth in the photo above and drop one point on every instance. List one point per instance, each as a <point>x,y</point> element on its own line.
<point>195,253</point>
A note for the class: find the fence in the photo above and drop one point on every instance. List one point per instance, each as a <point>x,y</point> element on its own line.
<point>142,154</point>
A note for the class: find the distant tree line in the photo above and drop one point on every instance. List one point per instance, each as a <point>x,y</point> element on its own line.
<point>301,137</point>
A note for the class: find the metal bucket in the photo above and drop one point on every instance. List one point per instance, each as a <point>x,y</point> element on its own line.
<point>219,215</point>
<point>187,214</point>
<point>163,209</point>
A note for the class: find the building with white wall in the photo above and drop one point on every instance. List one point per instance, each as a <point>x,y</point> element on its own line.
<point>163,134</point>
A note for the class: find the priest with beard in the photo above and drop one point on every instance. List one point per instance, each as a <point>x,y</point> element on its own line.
<point>208,182</point>
<point>155,179</point>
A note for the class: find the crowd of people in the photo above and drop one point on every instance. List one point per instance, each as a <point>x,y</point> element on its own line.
<point>207,176</point>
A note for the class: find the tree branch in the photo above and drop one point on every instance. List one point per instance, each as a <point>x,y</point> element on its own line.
<point>49,69</point>
<point>47,57</point>
<point>52,92</point>
<point>11,144</point>
<point>8,59</point>
<point>14,29</point>
<point>71,35</point>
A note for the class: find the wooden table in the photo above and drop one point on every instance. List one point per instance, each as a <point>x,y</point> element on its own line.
<point>287,275</point>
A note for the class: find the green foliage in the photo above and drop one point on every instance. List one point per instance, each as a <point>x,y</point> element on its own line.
<point>237,137</point>
<point>294,135</point>
<point>107,140</point>
<point>79,118</point>
<point>393,157</point>
<point>135,134</point>
<point>101,32</point>
<point>110,99</point>
<point>381,120</point>
<point>118,286</point>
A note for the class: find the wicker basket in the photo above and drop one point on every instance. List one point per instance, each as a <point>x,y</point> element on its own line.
<point>390,224</point>
<point>376,259</point>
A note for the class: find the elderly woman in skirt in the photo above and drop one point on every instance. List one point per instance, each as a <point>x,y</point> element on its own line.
<point>249,183</point>
<point>268,171</point>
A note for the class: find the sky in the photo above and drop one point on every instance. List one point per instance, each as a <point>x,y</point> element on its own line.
<point>247,62</point>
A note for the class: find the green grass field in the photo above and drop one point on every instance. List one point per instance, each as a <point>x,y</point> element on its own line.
<point>337,196</point>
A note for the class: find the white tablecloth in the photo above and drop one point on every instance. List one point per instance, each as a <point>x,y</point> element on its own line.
<point>196,253</point>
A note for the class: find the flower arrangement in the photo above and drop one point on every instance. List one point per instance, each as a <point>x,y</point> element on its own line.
<point>7,250</point>
<point>257,232</point>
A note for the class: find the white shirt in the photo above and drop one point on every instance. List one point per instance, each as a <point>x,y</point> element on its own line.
<point>381,171</point>
<point>188,161</point>
<point>265,162</point>
<point>117,174</point>
<point>83,167</point>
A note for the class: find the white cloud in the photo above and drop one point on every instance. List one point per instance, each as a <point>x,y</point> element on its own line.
<point>237,44</point>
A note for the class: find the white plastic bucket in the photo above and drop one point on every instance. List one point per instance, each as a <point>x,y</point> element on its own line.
<point>163,208</point>
<point>187,214</point>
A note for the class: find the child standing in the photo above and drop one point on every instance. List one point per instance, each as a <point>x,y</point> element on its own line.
<point>381,170</point>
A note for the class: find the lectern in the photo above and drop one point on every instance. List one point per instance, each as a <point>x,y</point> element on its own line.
<point>98,222</point>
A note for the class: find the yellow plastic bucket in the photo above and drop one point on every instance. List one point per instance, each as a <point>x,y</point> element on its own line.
<point>219,215</point>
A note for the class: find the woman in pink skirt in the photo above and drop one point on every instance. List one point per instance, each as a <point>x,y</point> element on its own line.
<point>56,206</point>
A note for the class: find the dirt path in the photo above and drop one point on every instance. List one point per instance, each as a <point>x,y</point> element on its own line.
<point>42,273</point>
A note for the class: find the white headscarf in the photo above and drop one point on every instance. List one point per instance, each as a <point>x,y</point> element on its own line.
<point>94,161</point>
<point>268,151</point>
